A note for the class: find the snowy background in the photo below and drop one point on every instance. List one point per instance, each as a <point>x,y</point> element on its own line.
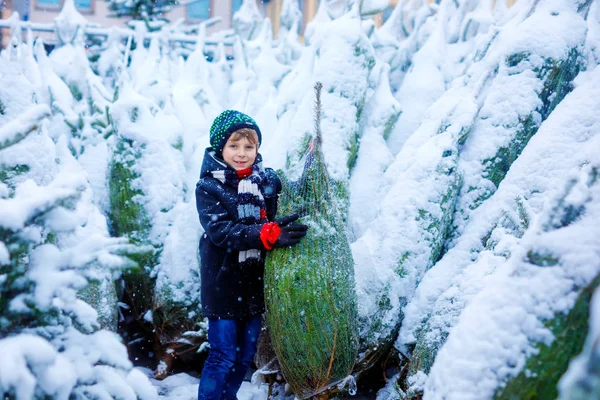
<point>467,135</point>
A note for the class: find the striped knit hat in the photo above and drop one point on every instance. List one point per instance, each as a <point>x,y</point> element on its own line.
<point>225,124</point>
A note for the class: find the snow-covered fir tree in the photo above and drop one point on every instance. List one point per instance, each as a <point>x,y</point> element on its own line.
<point>150,12</point>
<point>54,243</point>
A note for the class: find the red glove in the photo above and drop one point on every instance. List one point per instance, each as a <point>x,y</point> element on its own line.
<point>269,234</point>
<point>280,234</point>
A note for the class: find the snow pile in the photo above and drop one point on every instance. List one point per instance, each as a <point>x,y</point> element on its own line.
<point>247,20</point>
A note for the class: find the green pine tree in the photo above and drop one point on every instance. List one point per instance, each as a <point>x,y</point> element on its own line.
<point>309,288</point>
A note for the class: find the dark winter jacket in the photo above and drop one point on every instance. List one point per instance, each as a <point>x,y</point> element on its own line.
<point>230,290</point>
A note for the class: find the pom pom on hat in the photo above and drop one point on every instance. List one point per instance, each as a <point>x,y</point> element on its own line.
<point>225,124</point>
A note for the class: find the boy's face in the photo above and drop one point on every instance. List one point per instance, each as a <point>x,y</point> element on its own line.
<point>239,154</point>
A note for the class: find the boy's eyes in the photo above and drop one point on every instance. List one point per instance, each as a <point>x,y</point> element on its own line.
<point>248,146</point>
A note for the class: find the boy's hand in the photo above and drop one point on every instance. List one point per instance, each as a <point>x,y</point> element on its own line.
<point>281,234</point>
<point>291,234</point>
<point>283,221</point>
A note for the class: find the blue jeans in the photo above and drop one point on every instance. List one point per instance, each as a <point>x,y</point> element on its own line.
<point>232,348</point>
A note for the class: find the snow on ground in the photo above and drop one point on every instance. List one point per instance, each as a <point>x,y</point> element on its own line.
<point>185,387</point>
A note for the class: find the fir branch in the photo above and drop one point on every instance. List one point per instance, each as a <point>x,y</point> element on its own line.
<point>19,128</point>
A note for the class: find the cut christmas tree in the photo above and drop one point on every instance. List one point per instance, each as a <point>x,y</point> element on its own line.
<point>309,288</point>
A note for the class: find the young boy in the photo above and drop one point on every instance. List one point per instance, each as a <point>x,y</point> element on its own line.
<point>237,200</point>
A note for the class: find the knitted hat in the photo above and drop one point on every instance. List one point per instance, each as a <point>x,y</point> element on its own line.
<point>225,124</point>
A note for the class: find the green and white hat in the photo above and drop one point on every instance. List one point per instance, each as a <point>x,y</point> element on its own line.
<point>225,124</point>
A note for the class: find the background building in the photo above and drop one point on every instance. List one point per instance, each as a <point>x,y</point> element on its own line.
<point>191,11</point>
<point>97,11</point>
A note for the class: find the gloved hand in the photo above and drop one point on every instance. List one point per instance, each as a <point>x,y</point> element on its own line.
<point>281,233</point>
<point>291,234</point>
<point>283,221</point>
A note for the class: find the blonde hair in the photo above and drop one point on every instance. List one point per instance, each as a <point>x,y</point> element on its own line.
<point>245,133</point>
